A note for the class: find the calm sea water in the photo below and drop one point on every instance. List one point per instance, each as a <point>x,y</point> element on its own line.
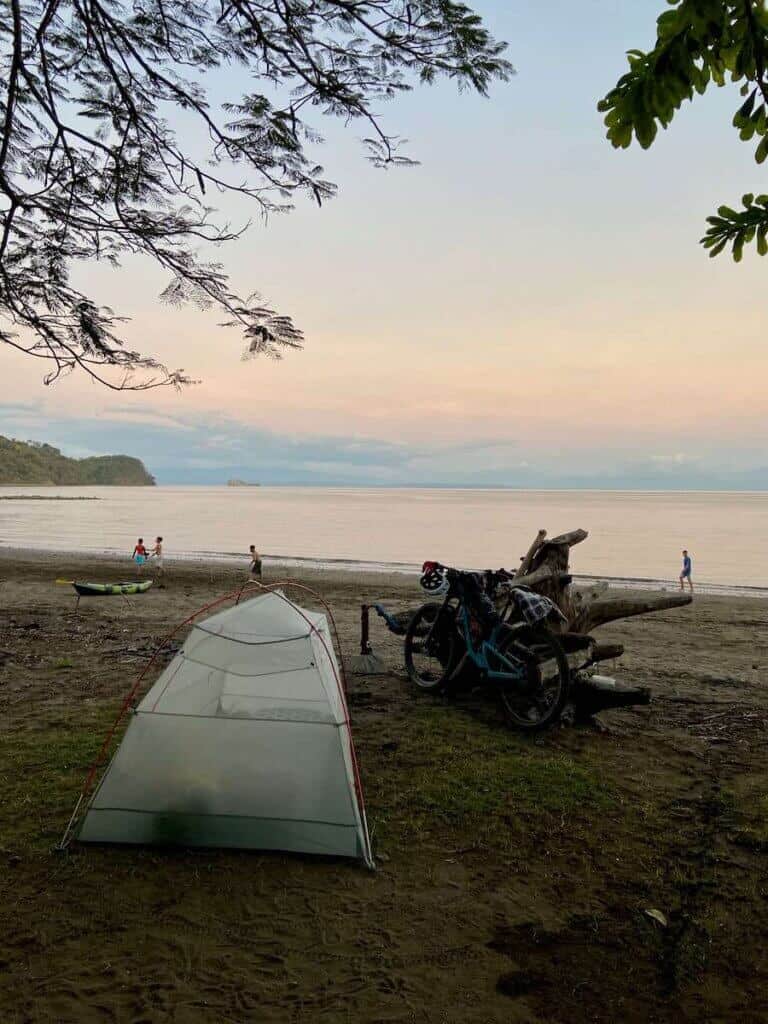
<point>632,535</point>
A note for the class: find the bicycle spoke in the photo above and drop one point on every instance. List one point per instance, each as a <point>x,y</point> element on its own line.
<point>539,697</point>
<point>429,647</point>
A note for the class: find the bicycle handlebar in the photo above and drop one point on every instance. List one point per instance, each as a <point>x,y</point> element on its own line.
<point>449,571</point>
<point>499,575</point>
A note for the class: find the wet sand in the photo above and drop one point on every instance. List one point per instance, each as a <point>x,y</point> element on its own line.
<point>514,874</point>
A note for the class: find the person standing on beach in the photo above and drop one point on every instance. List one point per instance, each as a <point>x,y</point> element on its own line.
<point>685,572</point>
<point>157,553</point>
<point>139,554</point>
<point>255,566</point>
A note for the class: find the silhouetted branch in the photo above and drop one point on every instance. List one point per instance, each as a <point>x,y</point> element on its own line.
<point>91,168</point>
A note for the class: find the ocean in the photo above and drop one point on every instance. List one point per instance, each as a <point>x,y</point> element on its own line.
<point>633,536</point>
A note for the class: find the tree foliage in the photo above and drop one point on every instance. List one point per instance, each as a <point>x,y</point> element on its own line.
<point>91,167</point>
<point>700,43</point>
<point>29,462</point>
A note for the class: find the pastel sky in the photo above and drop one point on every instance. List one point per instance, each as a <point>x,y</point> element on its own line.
<point>528,307</point>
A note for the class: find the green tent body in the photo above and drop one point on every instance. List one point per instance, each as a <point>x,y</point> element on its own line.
<point>244,741</point>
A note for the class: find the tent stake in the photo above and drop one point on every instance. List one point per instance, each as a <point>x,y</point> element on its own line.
<point>366,663</point>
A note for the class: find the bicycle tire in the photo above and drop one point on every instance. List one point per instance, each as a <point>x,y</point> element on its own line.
<point>443,652</point>
<point>543,643</point>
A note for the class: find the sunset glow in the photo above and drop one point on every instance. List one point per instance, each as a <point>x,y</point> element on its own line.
<point>526,287</point>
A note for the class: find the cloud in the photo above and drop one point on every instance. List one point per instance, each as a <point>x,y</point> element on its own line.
<point>212,449</point>
<point>21,408</point>
<point>679,459</point>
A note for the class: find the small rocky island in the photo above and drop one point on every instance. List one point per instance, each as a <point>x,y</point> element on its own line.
<point>241,483</point>
<point>29,462</point>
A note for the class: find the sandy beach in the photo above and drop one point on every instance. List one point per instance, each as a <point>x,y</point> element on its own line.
<point>514,876</point>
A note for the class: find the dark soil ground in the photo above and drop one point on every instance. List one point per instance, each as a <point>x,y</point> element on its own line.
<point>514,877</point>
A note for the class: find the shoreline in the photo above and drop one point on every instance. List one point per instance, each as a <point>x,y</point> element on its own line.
<point>199,560</point>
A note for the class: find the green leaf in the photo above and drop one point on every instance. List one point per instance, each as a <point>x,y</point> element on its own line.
<point>621,135</point>
<point>645,130</point>
<point>718,248</point>
<point>700,43</point>
<point>746,108</point>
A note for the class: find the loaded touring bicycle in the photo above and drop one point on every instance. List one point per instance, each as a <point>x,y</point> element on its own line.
<point>514,650</point>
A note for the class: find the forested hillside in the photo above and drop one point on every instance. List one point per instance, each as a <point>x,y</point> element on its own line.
<point>27,462</point>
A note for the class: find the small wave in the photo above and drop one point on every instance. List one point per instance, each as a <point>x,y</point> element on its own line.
<point>414,569</point>
<point>403,568</point>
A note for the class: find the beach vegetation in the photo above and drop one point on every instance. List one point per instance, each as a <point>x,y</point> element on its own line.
<point>453,774</point>
<point>42,771</point>
<point>31,462</point>
<point>700,44</point>
<point>752,820</point>
<point>449,776</point>
<point>121,123</point>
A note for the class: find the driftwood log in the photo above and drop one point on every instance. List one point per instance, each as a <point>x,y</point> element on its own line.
<point>545,569</point>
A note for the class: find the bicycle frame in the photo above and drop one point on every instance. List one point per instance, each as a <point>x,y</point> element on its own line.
<point>479,654</point>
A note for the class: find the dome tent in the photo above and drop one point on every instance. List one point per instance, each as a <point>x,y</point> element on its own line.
<point>243,741</point>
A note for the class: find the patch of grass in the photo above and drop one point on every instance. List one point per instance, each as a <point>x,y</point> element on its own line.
<point>41,774</point>
<point>450,771</point>
<point>64,663</point>
<point>754,832</point>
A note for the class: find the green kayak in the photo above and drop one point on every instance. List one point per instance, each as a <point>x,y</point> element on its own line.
<point>106,589</point>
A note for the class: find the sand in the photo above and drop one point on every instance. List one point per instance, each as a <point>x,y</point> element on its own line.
<point>514,874</point>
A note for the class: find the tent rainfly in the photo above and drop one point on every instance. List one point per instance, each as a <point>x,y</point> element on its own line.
<point>244,741</point>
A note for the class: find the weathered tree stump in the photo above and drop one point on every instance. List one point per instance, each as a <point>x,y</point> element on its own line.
<point>545,569</point>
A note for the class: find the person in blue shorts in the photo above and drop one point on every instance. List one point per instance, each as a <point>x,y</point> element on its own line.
<point>140,554</point>
<point>685,572</point>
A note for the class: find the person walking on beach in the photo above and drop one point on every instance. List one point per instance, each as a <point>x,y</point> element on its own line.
<point>139,554</point>
<point>255,565</point>
<point>685,572</point>
<point>157,553</point>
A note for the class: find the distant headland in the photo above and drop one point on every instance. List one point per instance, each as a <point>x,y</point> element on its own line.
<point>29,462</point>
<point>241,483</point>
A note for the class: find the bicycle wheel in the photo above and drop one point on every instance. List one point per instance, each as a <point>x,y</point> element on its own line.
<point>430,645</point>
<point>537,700</point>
